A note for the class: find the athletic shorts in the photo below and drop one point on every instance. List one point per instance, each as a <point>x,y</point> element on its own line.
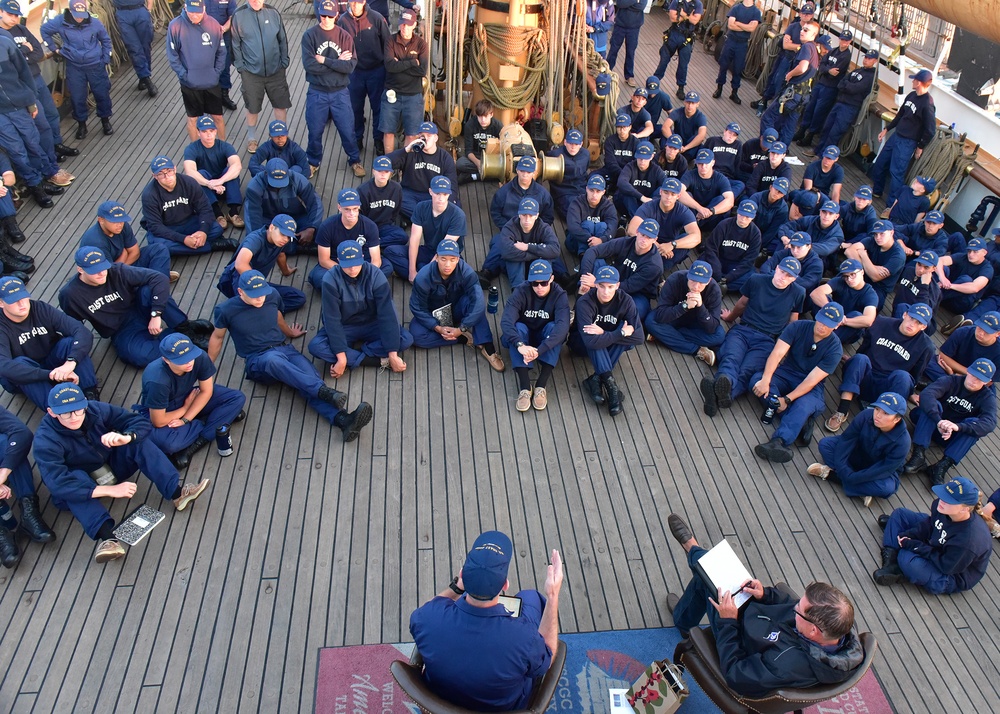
<point>408,109</point>
<point>202,101</point>
<point>255,86</point>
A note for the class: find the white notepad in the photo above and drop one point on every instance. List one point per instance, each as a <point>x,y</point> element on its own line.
<point>722,569</point>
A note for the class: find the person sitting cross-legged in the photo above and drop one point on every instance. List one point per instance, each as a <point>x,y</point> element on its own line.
<point>688,314</point>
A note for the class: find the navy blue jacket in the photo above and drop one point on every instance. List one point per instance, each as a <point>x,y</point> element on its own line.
<point>958,548</point>
<point>824,240</point>
<point>812,268</point>
<point>856,224</point>
<point>508,198</point>
<point>535,313</point>
<point>84,44</point>
<point>671,311</point>
<point>17,91</point>
<point>291,153</point>
<point>584,222</point>
<point>865,453</point>
<point>914,237</point>
<point>731,250</point>
<point>635,183</point>
<point>856,85</point>
<point>363,300</point>
<point>834,59</point>
<point>628,13</point>
<point>18,437</point>
<point>298,199</point>
<point>910,290</point>
<point>947,398</point>
<point>431,291</point>
<point>542,242</point>
<point>198,65</point>
<point>370,33</point>
<point>610,317</point>
<point>770,216</point>
<point>640,274</point>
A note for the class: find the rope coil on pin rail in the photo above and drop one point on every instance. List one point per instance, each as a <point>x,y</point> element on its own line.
<point>944,159</point>
<point>503,41</point>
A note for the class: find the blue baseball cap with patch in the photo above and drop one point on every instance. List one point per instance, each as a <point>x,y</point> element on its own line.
<point>805,200</point>
<point>11,6</point>
<point>960,491</point>
<point>769,136</point>
<point>808,9</point>
<point>527,207</point>
<point>864,192</point>
<point>277,128</point>
<point>603,84</point>
<point>91,260</point>
<point>448,247</point>
<point>277,173</point>
<point>114,212</point>
<point>671,185</point>
<point>831,152</point>
<point>989,322</point>
<point>78,10</point>
<point>830,207</point>
<point>622,120</point>
<point>850,266</point>
<point>652,83</point>
<point>831,315</point>
<point>66,397</point>
<point>704,156</point>
<point>700,272</point>
<point>485,571</point>
<point>527,163</point>
<point>649,227</point>
<point>927,182</point>
<point>983,369</point>
<point>733,127</point>
<point>871,54</point>
<point>674,141</point>
<point>382,163</point>
<point>934,217</point>
<point>441,184</point>
<point>640,92</point>
<point>791,266</point>
<point>781,185</point>
<point>597,182</point>
<point>826,41</point>
<point>921,312</point>
<point>928,258</point>
<point>539,270</point>
<point>349,198</point>
<point>778,147</point>
<point>350,254</point>
<point>846,35</point>
<point>891,403</point>
<point>159,163</point>
<point>254,284</point>
<point>607,274</point>
<point>747,208</point>
<point>882,226</point>
<point>575,136</point>
<point>800,238</point>
<point>196,6</point>
<point>285,224</point>
<point>975,244</point>
<point>645,151</point>
<point>692,97</point>
<point>205,122</point>
<point>923,76</point>
<point>12,289</point>
<point>428,127</point>
<point>179,349</point>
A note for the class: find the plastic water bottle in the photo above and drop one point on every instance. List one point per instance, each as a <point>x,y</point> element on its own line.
<point>770,409</point>
<point>223,441</point>
<point>493,302</point>
<point>7,519</point>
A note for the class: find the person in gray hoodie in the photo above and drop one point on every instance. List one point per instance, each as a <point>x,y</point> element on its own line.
<point>196,51</point>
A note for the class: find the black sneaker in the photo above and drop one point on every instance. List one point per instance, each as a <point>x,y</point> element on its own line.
<point>356,420</point>
<point>888,576</point>
<point>805,436</point>
<point>883,521</point>
<point>593,386</point>
<point>332,396</point>
<point>711,406</point>
<point>723,391</point>
<point>774,450</point>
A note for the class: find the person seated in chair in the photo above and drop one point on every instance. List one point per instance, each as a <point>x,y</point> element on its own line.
<point>773,641</point>
<point>460,632</point>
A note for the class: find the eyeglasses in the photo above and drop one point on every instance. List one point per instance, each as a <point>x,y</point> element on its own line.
<point>539,283</point>
<point>796,611</point>
<point>75,413</point>
<point>164,173</point>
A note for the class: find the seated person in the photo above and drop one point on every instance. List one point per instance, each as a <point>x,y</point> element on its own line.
<point>478,130</point>
<point>261,250</point>
<point>358,307</point>
<point>639,119</point>
<point>753,152</point>
<point>637,261</point>
<point>919,283</point>
<point>810,265</point>
<point>419,163</point>
<point>131,306</point>
<point>41,346</point>
<point>803,357</point>
<point>657,102</point>
<point>945,552</point>
<point>707,192</point>
<point>346,224</point>
<point>215,166</point>
<point>87,450</point>
<point>534,326</point>
<point>175,213</point>
<point>434,220</point>
<point>17,481</point>
<point>804,203</point>
<point>679,231</point>
<point>965,345</point>
<point>671,159</point>
<point>910,204</point>
<point>858,217</point>
<point>688,121</point>
<point>892,356</point>
<point>448,307</point>
<point>956,411</point>
<point>732,247</point>
<point>279,146</point>
<point>726,149</point>
<point>576,164</point>
<point>826,174</point>
<point>990,511</point>
<point>381,199</point>
<point>469,610</point>
<point>591,219</point>
<point>687,318</point>
<point>768,304</point>
<point>276,191</point>
<point>867,458</point>
<point>607,326</point>
<point>854,295</point>
<point>881,257</point>
<point>772,213</point>
<point>966,278</point>
<point>923,235</point>
<point>254,319</point>
<point>185,405</point>
<point>767,172</point>
<point>525,239</point>
<point>619,149</point>
<point>638,181</point>
<point>824,229</point>
<point>814,643</point>
<point>113,235</point>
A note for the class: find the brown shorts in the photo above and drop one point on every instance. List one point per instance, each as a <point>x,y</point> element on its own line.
<point>254,87</point>
<point>202,101</point>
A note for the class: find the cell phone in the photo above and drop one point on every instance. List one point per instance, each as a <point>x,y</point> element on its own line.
<point>511,604</point>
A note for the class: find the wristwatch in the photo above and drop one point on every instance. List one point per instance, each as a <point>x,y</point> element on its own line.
<point>454,586</point>
<point>673,244</point>
<point>155,313</point>
<point>519,345</point>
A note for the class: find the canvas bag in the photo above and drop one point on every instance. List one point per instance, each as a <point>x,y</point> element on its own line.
<point>659,690</point>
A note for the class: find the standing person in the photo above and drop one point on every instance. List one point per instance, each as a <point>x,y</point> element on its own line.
<point>832,68</point>
<point>16,480</point>
<point>741,22</point>
<point>214,165</point>
<point>914,124</point>
<point>534,326</point>
<point>135,24</point>
<point>371,34</point>
<point>628,20</point>
<point>679,39</point>
<point>600,18</point>
<point>852,90</point>
<point>328,58</point>
<point>257,324</point>
<point>260,52</point>
<point>687,318</point>
<point>113,235</point>
<point>795,86</point>
<point>406,61</point>
<point>791,43</point>
<point>222,12</point>
<point>86,50</point>
<point>197,54</point>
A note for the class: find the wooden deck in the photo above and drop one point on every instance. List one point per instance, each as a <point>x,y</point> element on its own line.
<point>304,542</point>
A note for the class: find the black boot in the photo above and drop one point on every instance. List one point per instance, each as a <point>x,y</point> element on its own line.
<point>230,244</point>
<point>151,89</point>
<point>227,102</point>
<point>889,575</point>
<point>805,436</point>
<point>379,147</point>
<point>718,91</point>
<point>613,395</point>
<point>486,277</point>
<point>142,83</point>
<point>799,135</point>
<point>31,523</point>
<point>807,140</point>
<point>183,458</point>
<point>63,150</point>
<point>680,92</point>
<point>938,472</point>
<point>735,97</point>
<point>41,198</point>
<point>9,552</point>
<point>351,424</point>
<point>81,130</point>
<point>106,126</point>
<point>916,461</point>
<point>890,556</point>
<point>593,387</point>
<point>332,396</point>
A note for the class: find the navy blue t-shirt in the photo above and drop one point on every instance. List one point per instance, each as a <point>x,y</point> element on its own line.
<point>671,223</point>
<point>111,246</point>
<point>850,299</point>
<point>639,118</point>
<point>214,160</point>
<point>704,191</point>
<point>824,181</point>
<point>889,349</point>
<point>805,354</point>
<point>332,232</point>
<point>162,388</point>
<point>743,15</point>
<point>961,266</point>
<point>769,309</point>
<point>253,329</point>
<point>265,253</point>
<point>687,126</point>
<point>893,260</point>
<point>450,223</point>
<point>962,347</point>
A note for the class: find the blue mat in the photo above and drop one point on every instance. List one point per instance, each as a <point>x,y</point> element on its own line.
<point>599,661</point>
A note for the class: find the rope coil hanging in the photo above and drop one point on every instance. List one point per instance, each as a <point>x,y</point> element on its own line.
<point>503,42</point>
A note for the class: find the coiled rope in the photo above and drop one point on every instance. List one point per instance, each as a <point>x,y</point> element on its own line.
<point>504,42</point>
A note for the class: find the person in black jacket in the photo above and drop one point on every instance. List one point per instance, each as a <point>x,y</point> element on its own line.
<point>851,92</point>
<point>774,642</point>
<point>733,246</point>
<point>406,59</point>
<point>534,326</point>
<point>688,313</point>
<point>914,125</point>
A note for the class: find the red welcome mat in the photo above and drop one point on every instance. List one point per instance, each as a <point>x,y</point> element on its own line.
<point>358,679</point>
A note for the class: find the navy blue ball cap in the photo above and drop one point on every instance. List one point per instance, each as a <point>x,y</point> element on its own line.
<point>960,491</point>
<point>91,260</point>
<point>382,163</point>
<point>975,244</point>
<point>285,224</point>
<point>428,127</point>
<point>485,571</point>
<point>622,120</point>
<point>674,141</point>
<point>850,266</point>
<point>934,217</point>
<point>649,227</point>
<point>778,147</point>
<point>733,127</point>
<point>928,258</point>
<point>66,397</point>
<point>671,185</point>
<point>830,207</point>
<point>989,322</point>
<point>114,212</point>
<point>159,163</point>
<point>350,254</point>
<point>692,97</point>
<point>539,270</point>
<point>527,207</point>
<point>891,403</point>
<point>12,290</point>
<point>781,185</point>
<point>277,172</point>
<point>704,156</point>
<point>652,83</point>
<point>831,315</point>
<point>699,272</point>
<point>448,247</point>
<point>575,136</point>
<point>597,182</point>
<point>645,150</point>
<point>831,152</point>
<point>640,92</point>
<point>921,312</point>
<point>923,76</point>
<point>864,192</point>
<point>983,369</point>
<point>871,54</point>
<point>603,84</point>
<point>607,274</point>
<point>747,208</point>
<point>11,6</point>
<point>277,128</point>
<point>441,184</point>
<point>205,122</point>
<point>882,226</point>
<point>791,266</point>
<point>254,284</point>
<point>349,197</point>
<point>800,238</point>
<point>527,163</point>
<point>846,35</point>
<point>179,349</point>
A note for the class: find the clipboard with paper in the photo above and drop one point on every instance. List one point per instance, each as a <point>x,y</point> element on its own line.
<point>722,569</point>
